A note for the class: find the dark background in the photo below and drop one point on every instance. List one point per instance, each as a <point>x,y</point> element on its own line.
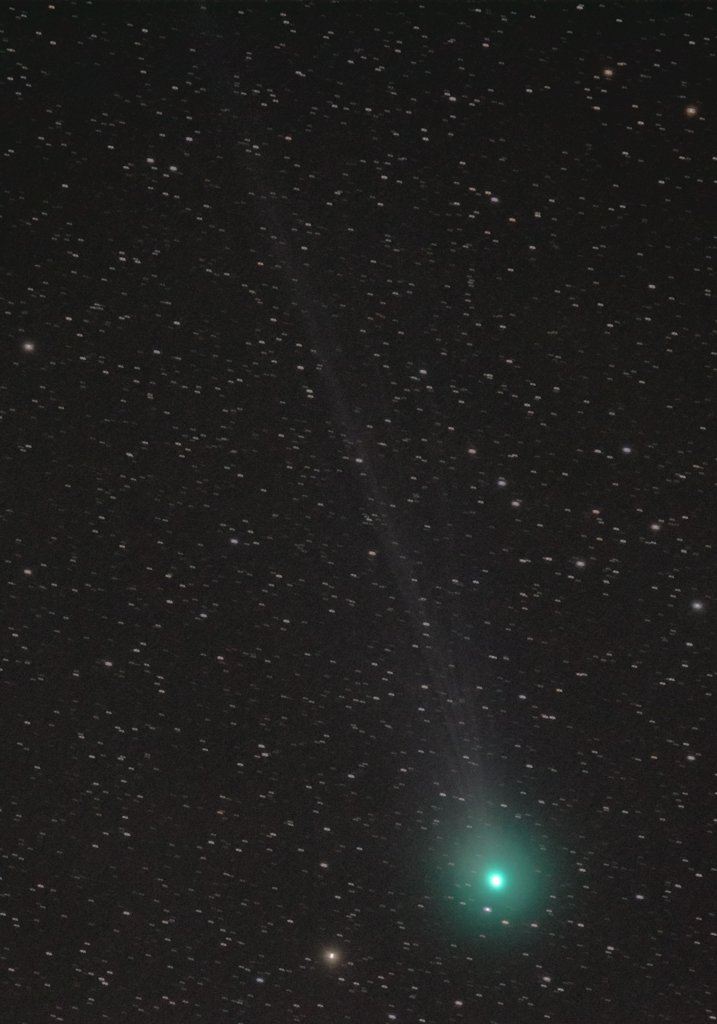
<point>247,246</point>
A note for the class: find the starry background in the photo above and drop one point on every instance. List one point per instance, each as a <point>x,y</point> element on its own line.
<point>358,383</point>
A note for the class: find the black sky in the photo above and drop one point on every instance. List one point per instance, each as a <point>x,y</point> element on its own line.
<point>357,391</point>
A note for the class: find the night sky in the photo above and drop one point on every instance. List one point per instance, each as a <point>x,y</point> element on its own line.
<point>358,397</point>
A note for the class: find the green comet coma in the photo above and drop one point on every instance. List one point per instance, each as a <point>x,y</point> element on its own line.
<point>492,879</point>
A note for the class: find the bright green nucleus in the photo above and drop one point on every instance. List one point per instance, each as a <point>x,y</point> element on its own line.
<point>495,880</point>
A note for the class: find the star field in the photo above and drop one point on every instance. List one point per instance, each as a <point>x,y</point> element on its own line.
<point>358,398</point>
